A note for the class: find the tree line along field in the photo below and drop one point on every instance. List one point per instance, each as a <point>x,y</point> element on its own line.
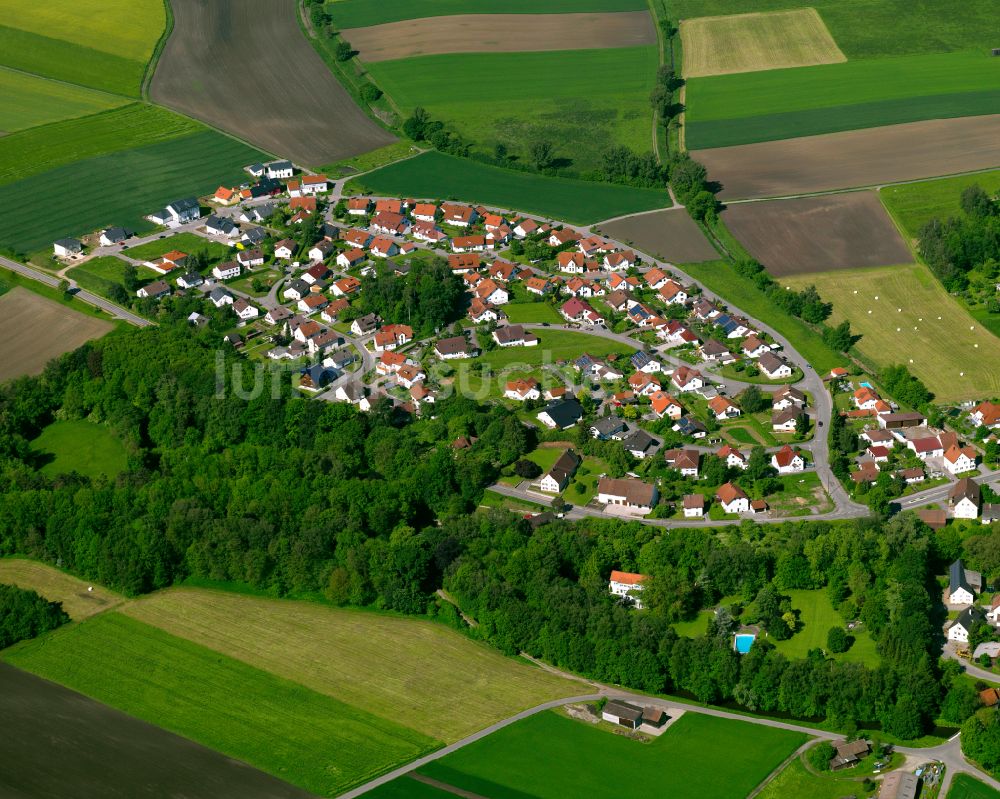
<point>104,44</point>
<point>913,322</point>
<point>58,586</point>
<point>29,101</point>
<point>436,175</point>
<point>581,101</point>
<point>725,110</point>
<point>362,13</point>
<point>549,756</point>
<point>88,194</point>
<point>913,205</point>
<point>278,726</point>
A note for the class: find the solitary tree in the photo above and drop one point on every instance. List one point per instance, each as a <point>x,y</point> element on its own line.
<point>541,154</point>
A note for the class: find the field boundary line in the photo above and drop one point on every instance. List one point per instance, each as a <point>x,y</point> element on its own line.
<point>779,768</point>
<point>129,98</point>
<point>154,57</point>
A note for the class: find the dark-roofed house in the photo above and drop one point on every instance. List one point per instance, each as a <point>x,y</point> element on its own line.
<point>965,498</point>
<point>694,506</point>
<point>899,785</point>
<point>561,414</point>
<point>113,235</point>
<point>634,495</point>
<point>894,421</point>
<point>609,427</point>
<point>514,336</point>
<point>154,290</point>
<point>639,443</point>
<point>185,210</point>
<point>848,753</point>
<point>961,628</point>
<point>557,478</point>
<point>64,248</point>
<point>454,347</point>
<point>963,584</point>
<point>624,714</point>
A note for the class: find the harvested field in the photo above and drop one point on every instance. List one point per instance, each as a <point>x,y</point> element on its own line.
<point>670,235</point>
<point>818,234</point>
<point>392,667</point>
<point>855,158</point>
<point>905,316</point>
<point>36,330</point>
<point>474,33</point>
<point>245,66</point>
<point>57,586</point>
<point>754,42</point>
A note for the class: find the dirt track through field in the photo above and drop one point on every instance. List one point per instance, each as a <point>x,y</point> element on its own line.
<point>245,66</point>
<point>35,330</point>
<point>818,234</point>
<point>855,158</point>
<point>670,235</point>
<point>476,33</point>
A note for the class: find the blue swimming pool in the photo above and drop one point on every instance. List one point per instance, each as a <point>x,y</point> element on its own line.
<point>866,385</point>
<point>743,643</point>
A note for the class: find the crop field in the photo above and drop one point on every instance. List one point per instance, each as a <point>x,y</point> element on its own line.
<point>905,316</point>
<point>876,28</point>
<point>723,280</point>
<point>817,234</point>
<point>581,101</point>
<point>857,158</point>
<point>278,726</point>
<point>670,235</point>
<point>410,787</point>
<point>912,205</point>
<point>443,176</point>
<point>100,43</point>
<point>57,586</point>
<point>472,33</point>
<point>87,195</point>
<point>752,42</point>
<point>204,72</point>
<point>726,110</point>
<point>361,13</point>
<point>76,445</point>
<point>29,100</point>
<point>399,668</point>
<point>549,756</point>
<point>966,787</point>
<point>35,330</point>
<point>817,616</point>
<point>32,152</point>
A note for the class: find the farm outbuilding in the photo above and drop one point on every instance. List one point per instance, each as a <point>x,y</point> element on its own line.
<point>624,714</point>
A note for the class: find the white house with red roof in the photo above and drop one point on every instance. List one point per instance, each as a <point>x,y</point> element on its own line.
<point>787,461</point>
<point>627,584</point>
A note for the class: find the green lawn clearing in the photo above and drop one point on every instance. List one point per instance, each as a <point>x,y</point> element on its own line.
<point>361,13</point>
<point>580,101</point>
<point>874,28</point>
<point>273,724</point>
<point>185,242</point>
<point>720,277</point>
<point>84,196</point>
<point>587,476</point>
<point>549,756</point>
<point>914,204</point>
<point>29,101</point>
<point>800,495</point>
<point>97,274</point>
<point>553,345</point>
<point>435,175</point>
<point>724,110</point>
<point>532,312</point>
<point>966,787</point>
<point>101,43</point>
<point>80,446</point>
<point>905,316</point>
<point>817,616</point>
<point>796,780</point>
<point>33,152</point>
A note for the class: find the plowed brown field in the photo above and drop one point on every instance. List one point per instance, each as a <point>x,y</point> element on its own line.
<point>245,66</point>
<point>855,158</point>
<point>477,33</point>
<point>670,235</point>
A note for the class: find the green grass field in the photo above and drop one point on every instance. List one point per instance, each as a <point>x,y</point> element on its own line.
<point>408,788</point>
<point>549,756</point>
<point>795,780</point>
<point>721,278</point>
<point>185,242</point>
<point>80,446</point>
<point>581,101</point>
<point>724,110</point>
<point>276,725</point>
<point>874,28</point>
<point>27,100</point>
<point>914,204</point>
<point>935,337</point>
<point>532,312</point>
<point>99,273</point>
<point>100,43</point>
<point>361,13</point>
<point>444,176</point>
<point>32,152</point>
<point>965,787</point>
<point>87,195</point>
<point>553,345</point>
<point>817,617</point>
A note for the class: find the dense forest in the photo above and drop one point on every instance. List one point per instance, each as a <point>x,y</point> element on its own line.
<point>24,614</point>
<point>299,497</point>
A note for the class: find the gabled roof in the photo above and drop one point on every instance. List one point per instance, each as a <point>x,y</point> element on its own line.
<point>966,488</point>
